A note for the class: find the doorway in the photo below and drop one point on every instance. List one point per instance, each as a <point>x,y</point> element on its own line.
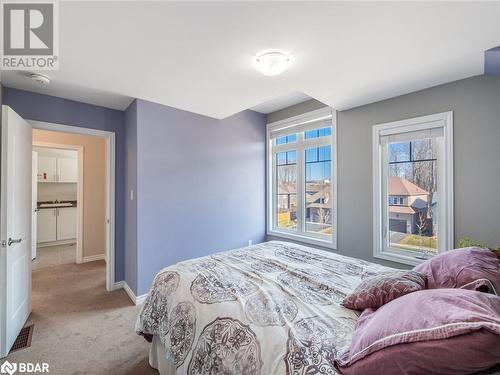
<point>108,138</point>
<point>57,191</point>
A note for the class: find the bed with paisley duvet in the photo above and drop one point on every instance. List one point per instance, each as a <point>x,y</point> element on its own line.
<point>272,308</point>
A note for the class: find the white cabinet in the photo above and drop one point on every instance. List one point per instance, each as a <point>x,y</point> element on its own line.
<point>46,228</point>
<point>67,170</point>
<point>66,223</point>
<point>47,167</point>
<point>52,169</point>
<point>56,224</point>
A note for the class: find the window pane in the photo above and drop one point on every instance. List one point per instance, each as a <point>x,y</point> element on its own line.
<point>281,158</point>
<point>286,178</point>
<point>413,200</point>
<point>423,149</point>
<point>318,205</point>
<point>286,139</point>
<point>311,155</point>
<point>399,151</point>
<point>317,133</point>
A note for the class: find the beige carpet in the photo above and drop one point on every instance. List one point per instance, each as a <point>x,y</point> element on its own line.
<point>79,327</point>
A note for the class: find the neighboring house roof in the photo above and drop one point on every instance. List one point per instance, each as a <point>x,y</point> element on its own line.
<point>419,204</point>
<point>401,210</point>
<point>401,186</point>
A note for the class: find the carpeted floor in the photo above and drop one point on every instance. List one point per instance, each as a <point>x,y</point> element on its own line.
<point>79,327</point>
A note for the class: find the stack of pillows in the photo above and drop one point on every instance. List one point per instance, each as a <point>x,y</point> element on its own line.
<point>442,317</point>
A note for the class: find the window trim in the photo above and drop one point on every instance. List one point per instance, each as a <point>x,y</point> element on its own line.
<point>446,237</point>
<point>296,121</point>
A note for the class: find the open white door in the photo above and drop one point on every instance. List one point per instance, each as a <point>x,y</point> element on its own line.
<point>34,201</point>
<point>15,227</point>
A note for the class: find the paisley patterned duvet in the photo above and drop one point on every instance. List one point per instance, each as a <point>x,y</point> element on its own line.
<point>272,308</point>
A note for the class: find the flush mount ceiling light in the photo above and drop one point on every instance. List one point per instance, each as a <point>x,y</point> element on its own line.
<point>272,63</point>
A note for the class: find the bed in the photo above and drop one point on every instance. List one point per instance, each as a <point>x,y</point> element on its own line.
<point>272,308</point>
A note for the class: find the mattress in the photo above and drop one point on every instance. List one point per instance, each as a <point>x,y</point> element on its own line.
<point>272,308</point>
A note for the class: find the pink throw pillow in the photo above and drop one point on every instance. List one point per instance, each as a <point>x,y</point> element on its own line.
<point>434,331</point>
<point>462,268</point>
<point>376,291</point>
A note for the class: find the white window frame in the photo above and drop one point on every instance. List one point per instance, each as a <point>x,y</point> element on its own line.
<point>300,146</point>
<point>381,248</point>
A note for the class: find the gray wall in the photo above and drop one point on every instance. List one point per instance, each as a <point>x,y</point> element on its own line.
<point>475,103</point>
<point>294,110</point>
<point>1,102</point>
<point>201,185</point>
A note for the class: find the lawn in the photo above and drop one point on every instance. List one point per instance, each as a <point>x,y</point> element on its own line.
<point>284,220</point>
<point>414,240</point>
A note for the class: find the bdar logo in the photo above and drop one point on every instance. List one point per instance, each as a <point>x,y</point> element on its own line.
<point>8,368</point>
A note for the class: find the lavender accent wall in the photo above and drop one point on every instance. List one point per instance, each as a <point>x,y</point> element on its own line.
<point>492,61</point>
<point>131,204</point>
<point>46,108</point>
<point>200,185</point>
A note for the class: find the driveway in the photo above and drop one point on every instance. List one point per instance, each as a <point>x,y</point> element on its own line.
<point>396,237</point>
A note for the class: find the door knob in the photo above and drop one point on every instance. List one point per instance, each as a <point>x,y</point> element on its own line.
<point>11,241</point>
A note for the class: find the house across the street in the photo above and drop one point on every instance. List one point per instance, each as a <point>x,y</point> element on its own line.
<point>408,205</point>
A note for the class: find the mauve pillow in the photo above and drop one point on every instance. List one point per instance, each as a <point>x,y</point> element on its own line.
<point>376,291</point>
<point>463,268</point>
<point>434,331</point>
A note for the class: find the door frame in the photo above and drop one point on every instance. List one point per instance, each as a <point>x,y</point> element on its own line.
<point>79,190</point>
<point>110,138</point>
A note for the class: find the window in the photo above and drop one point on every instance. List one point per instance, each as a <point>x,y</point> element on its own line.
<point>413,188</point>
<point>301,184</point>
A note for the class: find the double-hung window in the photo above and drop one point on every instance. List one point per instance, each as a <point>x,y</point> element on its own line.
<point>301,191</point>
<point>413,188</point>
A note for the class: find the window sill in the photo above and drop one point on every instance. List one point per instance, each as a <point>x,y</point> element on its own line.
<point>330,244</point>
<point>399,258</point>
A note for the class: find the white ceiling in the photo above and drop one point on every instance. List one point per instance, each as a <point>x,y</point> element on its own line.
<point>197,56</point>
<point>280,102</point>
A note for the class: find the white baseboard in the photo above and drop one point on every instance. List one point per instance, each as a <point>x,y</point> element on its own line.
<point>137,300</point>
<point>92,258</point>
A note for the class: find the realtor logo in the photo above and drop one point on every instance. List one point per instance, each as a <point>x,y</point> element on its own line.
<point>30,35</point>
<point>8,368</point>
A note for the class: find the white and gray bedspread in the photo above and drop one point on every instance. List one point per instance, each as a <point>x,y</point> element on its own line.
<point>272,308</point>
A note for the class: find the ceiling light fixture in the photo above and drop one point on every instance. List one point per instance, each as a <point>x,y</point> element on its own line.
<point>272,63</point>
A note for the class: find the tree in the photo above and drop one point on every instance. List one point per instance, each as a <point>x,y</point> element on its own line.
<point>421,223</point>
<point>423,168</point>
